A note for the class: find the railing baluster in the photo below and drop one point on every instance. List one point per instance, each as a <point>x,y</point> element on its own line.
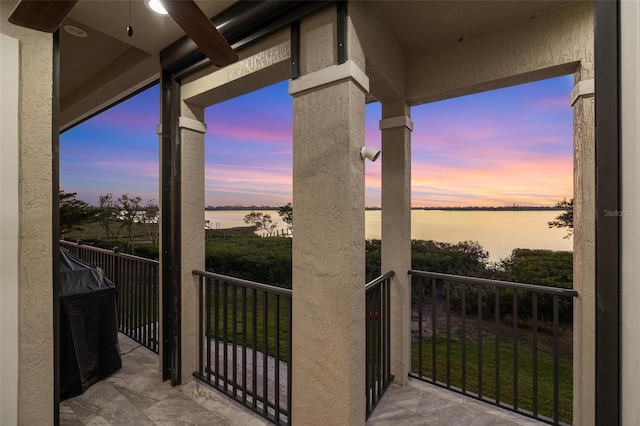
<point>480,353</point>
<point>387,375</point>
<point>200,325</point>
<point>277,361</point>
<point>367,351</point>
<point>433,331</point>
<point>265,351</point>
<point>497,342</point>
<point>515,349</point>
<point>376,344</point>
<point>207,328</point>
<point>289,356</point>
<point>216,325</point>
<point>254,351</point>
<point>234,333</point>
<point>534,308</point>
<point>556,370</point>
<point>244,345</point>
<point>464,337</point>
<point>225,335</point>
<point>448,306</point>
<point>420,304</point>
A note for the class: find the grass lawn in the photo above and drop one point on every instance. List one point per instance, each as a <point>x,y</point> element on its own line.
<point>93,231</point>
<point>243,327</point>
<point>524,373</point>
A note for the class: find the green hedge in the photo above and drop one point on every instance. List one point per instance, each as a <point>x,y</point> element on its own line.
<point>268,260</point>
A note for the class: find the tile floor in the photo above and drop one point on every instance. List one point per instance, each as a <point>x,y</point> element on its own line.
<point>136,395</point>
<point>420,403</point>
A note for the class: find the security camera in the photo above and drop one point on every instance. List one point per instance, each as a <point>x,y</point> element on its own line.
<point>369,152</point>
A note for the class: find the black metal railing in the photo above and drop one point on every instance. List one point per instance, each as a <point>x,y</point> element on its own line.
<point>245,343</point>
<point>137,280</point>
<point>378,340</point>
<point>508,344</point>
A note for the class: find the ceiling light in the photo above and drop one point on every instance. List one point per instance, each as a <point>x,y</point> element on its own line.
<point>156,6</point>
<point>75,31</point>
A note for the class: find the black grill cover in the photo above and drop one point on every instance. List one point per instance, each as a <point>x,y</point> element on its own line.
<point>89,349</point>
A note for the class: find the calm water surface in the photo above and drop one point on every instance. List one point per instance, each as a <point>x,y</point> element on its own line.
<point>499,232</point>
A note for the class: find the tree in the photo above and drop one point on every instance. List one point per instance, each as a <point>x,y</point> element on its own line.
<point>149,216</point>
<point>261,221</point>
<point>129,213</point>
<point>286,214</point>
<point>108,217</point>
<point>72,212</point>
<point>564,220</point>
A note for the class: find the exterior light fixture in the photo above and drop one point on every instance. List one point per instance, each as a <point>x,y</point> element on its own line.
<point>156,6</point>
<point>370,153</point>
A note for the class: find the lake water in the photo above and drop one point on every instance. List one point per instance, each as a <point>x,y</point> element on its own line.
<point>498,232</point>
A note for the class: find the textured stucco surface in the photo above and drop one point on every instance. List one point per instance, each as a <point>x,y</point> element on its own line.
<point>35,301</point>
<point>584,342</point>
<point>328,256</point>
<point>385,60</point>
<point>630,287</point>
<point>263,64</point>
<point>318,41</point>
<point>328,248</point>
<point>547,45</point>
<point>192,237</point>
<point>396,234</point>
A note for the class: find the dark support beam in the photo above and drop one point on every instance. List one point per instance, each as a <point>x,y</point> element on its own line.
<point>55,218</point>
<point>170,226</point>
<point>342,32</point>
<point>607,88</point>
<point>241,24</point>
<point>295,50</point>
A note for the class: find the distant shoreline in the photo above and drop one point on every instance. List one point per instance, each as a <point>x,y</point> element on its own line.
<point>489,209</point>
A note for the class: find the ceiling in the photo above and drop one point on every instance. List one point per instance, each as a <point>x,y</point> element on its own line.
<point>421,24</point>
<point>89,66</point>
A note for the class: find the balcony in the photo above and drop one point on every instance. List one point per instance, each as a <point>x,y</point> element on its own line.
<point>244,348</point>
<point>137,395</point>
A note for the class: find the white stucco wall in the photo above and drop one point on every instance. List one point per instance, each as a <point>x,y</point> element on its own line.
<point>630,150</point>
<point>9,77</point>
<point>550,45</point>
<point>34,261</point>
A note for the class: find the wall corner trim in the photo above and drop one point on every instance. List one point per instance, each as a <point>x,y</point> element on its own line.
<point>582,89</point>
<point>399,121</point>
<point>329,75</point>
<point>191,124</point>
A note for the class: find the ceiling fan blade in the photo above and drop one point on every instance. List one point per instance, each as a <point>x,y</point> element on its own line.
<point>41,15</point>
<point>201,30</point>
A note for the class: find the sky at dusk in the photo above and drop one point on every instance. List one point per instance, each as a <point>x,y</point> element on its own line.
<point>496,148</point>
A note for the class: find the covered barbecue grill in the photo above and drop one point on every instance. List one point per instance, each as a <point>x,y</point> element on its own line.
<point>89,349</point>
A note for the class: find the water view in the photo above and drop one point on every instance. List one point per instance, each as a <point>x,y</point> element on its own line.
<point>499,232</point>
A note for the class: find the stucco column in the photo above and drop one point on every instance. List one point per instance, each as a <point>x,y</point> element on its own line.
<point>396,127</point>
<point>192,131</point>
<point>584,312</point>
<point>33,248</point>
<point>328,246</point>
